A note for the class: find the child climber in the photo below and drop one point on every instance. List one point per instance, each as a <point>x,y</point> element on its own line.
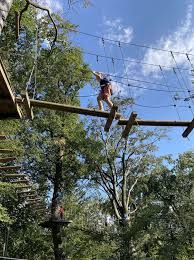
<point>106,90</point>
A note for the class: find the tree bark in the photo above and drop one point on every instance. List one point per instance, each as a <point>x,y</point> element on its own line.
<point>5,6</point>
<point>56,229</point>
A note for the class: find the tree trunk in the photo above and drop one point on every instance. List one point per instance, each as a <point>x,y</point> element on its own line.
<point>56,230</point>
<point>5,6</point>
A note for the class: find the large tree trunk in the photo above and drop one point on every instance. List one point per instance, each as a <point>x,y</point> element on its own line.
<point>56,230</point>
<point>5,6</point>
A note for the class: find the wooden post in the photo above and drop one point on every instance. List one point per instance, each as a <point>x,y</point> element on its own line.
<point>27,105</point>
<point>129,125</point>
<point>188,129</point>
<point>110,118</point>
<point>17,25</point>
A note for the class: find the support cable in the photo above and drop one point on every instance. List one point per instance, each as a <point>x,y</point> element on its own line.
<point>125,72</point>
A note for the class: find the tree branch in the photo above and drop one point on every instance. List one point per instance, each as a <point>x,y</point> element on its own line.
<point>28,2</point>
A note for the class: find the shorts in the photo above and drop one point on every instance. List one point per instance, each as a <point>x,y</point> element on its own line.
<point>105,93</point>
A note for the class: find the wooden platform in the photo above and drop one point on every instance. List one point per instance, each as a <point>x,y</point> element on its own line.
<point>8,107</point>
<point>51,223</point>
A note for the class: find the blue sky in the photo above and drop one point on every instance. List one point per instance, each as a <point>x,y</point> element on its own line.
<point>163,24</point>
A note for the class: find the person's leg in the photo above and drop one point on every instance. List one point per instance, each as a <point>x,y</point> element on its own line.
<point>100,105</point>
<point>109,102</point>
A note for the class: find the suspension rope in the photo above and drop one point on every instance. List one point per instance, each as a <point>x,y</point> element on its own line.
<point>132,61</point>
<point>125,72</point>
<point>130,43</point>
<point>170,93</point>
<point>103,44</point>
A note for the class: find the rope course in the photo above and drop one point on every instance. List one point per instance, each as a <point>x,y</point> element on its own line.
<point>27,103</point>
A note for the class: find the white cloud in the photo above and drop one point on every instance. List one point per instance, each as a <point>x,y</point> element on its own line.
<point>115,30</point>
<point>53,6</point>
<point>181,40</point>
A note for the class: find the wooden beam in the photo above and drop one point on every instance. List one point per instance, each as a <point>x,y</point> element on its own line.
<point>6,150</point>
<point>155,122</point>
<point>17,175</point>
<point>24,187</point>
<point>129,125</point>
<point>26,192</point>
<point>20,181</point>
<point>66,108</point>
<point>111,117</point>
<point>6,92</point>
<point>7,159</point>
<point>188,129</point>
<point>6,168</point>
<point>32,200</point>
<point>27,105</point>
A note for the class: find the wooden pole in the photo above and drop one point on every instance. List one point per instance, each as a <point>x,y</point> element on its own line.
<point>155,122</point>
<point>129,125</point>
<point>27,105</point>
<point>111,117</point>
<point>66,108</point>
<point>188,129</point>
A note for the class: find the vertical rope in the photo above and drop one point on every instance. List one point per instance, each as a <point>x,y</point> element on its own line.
<point>170,93</point>
<point>103,44</point>
<point>35,62</point>
<point>126,74</point>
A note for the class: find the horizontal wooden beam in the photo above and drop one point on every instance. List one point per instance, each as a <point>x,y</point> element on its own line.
<point>66,108</point>
<point>6,151</point>
<point>129,125</point>
<point>111,117</point>
<point>20,181</point>
<point>25,192</point>
<point>7,159</point>
<point>155,122</point>
<point>10,175</point>
<point>188,129</point>
<point>24,187</point>
<point>7,168</point>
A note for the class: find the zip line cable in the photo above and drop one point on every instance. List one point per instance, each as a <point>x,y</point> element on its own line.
<point>130,43</point>
<point>132,61</point>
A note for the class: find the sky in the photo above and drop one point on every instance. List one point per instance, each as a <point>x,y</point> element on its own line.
<point>160,24</point>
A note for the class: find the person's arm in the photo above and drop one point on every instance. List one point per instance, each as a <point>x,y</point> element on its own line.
<point>97,74</point>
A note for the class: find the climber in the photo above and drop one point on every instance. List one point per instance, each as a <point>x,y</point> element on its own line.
<point>106,90</point>
<point>61,212</point>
